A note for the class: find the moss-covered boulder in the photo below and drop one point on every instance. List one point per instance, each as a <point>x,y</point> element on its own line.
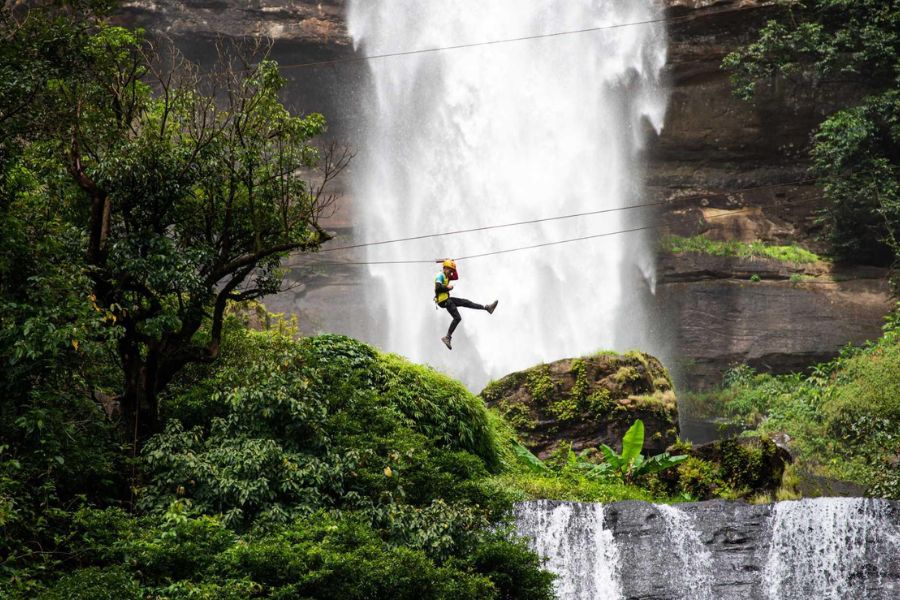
<point>588,401</point>
<point>731,468</point>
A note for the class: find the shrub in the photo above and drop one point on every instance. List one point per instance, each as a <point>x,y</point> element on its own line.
<point>112,583</point>
<point>326,422</point>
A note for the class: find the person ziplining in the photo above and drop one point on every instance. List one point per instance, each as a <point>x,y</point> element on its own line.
<point>442,287</point>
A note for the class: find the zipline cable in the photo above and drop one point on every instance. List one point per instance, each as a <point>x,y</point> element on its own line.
<point>352,59</point>
<point>556,218</point>
<point>507,250</point>
<point>487,227</point>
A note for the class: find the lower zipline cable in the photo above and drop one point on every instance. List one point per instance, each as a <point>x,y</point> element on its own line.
<point>531,246</point>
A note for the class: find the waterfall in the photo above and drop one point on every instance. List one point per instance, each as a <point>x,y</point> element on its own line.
<point>576,547</point>
<point>500,133</point>
<point>822,549</point>
<point>830,549</point>
<point>695,573</point>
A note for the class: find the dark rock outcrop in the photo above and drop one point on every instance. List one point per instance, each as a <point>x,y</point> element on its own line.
<point>588,401</point>
<point>735,170</point>
<point>774,316</point>
<point>734,467</point>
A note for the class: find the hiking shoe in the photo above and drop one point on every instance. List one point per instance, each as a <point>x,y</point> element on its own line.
<point>490,307</point>
<point>446,340</point>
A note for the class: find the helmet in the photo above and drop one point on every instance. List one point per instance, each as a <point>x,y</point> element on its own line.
<point>449,264</point>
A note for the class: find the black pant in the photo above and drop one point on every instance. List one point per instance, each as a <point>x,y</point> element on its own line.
<point>451,303</point>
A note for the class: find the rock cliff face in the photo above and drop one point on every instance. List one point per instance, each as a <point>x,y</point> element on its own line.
<point>732,170</point>
<point>318,25</point>
<point>588,401</point>
<point>300,31</point>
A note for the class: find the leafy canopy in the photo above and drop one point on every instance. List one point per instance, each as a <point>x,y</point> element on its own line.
<point>856,150</point>
<point>180,192</point>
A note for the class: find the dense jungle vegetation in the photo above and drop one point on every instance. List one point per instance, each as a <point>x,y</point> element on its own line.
<point>156,444</point>
<point>841,419</point>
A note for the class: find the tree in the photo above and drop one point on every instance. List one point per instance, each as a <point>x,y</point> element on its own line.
<point>188,189</point>
<point>856,150</point>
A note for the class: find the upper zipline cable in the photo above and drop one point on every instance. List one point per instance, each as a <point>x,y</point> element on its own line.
<point>541,220</point>
<point>556,218</point>
<point>487,227</point>
<point>352,59</point>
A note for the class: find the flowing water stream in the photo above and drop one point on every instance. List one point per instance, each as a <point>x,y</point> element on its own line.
<point>830,550</point>
<point>576,545</point>
<point>500,133</point>
<point>821,549</point>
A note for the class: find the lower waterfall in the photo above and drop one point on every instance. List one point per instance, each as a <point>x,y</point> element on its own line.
<point>817,549</point>
<point>832,549</point>
<point>577,548</point>
<point>695,573</point>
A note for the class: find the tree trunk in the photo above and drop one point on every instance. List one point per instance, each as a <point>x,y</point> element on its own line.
<point>140,404</point>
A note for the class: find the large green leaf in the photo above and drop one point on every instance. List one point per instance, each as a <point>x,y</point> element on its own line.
<point>525,455</point>
<point>658,463</point>
<point>612,457</point>
<point>633,442</point>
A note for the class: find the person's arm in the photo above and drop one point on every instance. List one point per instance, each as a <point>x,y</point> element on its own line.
<point>441,285</point>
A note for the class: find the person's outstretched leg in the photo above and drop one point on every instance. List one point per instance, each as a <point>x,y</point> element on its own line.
<point>469,304</point>
<point>451,308</point>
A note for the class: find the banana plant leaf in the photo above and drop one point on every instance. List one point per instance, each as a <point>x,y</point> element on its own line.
<point>532,461</point>
<point>660,462</point>
<point>633,442</point>
<point>612,457</point>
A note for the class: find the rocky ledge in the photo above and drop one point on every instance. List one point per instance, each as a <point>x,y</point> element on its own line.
<point>315,24</point>
<point>588,401</point>
<point>775,316</point>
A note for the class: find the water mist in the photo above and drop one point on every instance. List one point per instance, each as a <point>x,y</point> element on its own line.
<point>499,133</point>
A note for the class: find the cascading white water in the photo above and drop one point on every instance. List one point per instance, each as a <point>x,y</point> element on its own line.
<point>695,575</point>
<point>577,548</point>
<point>822,549</point>
<point>500,133</point>
<point>830,549</point>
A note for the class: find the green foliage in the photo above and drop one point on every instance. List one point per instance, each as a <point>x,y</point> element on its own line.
<point>562,477</point>
<point>700,479</point>
<point>314,478</point>
<point>842,417</point>
<point>631,465</point>
<point>179,556</point>
<point>541,385</point>
<point>174,196</point>
<point>56,448</point>
<point>571,485</point>
<point>599,402</point>
<point>855,157</point>
<point>856,148</point>
<point>112,583</point>
<point>514,570</point>
<point>626,374</point>
<point>438,407</point>
<point>572,405</point>
<point>701,244</point>
<point>326,422</point>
